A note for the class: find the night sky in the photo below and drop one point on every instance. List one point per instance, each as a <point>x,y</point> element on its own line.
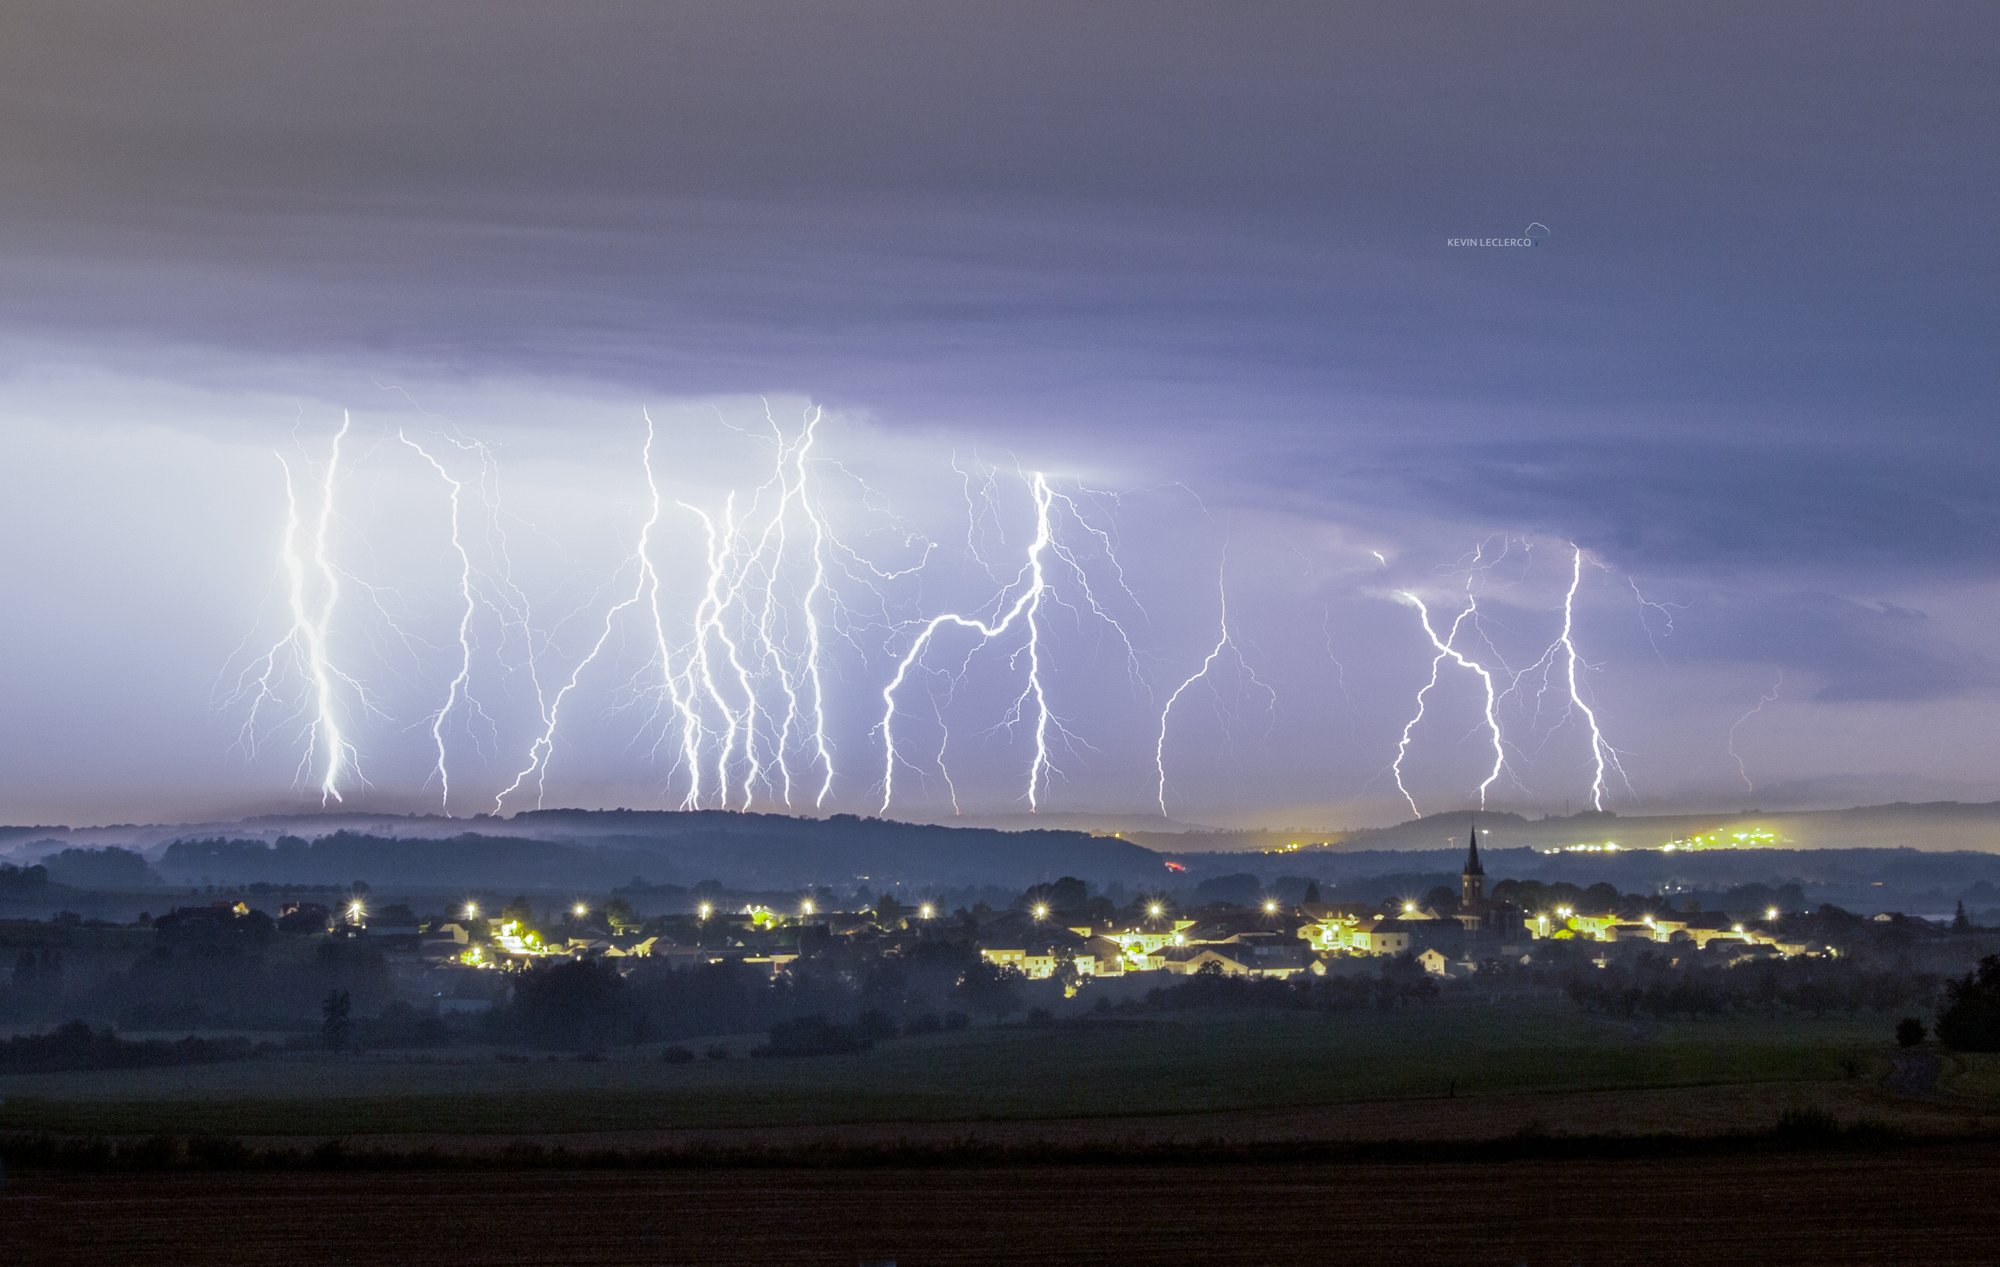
<point>1193,261</point>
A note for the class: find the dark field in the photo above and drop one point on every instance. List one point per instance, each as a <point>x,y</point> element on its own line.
<point>1913,1205</point>
<point>1198,1139</point>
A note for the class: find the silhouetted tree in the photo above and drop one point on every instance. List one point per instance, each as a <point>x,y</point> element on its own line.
<point>1909,1032</point>
<point>1970,1021</point>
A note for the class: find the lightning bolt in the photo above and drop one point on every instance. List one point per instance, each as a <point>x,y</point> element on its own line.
<point>1447,649</point>
<point>1030,588</point>
<point>1225,642</point>
<point>646,583</point>
<point>469,606</point>
<point>1769,697</point>
<point>1604,758</point>
<point>304,645</point>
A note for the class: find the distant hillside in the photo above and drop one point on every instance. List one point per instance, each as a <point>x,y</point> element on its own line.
<point>587,850</point>
<point>1941,825</point>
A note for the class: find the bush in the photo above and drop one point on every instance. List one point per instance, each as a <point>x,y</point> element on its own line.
<point>1909,1032</point>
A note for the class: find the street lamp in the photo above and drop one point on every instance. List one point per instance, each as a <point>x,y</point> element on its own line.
<point>472,910</point>
<point>704,910</point>
<point>1041,911</point>
<point>1270,906</point>
<point>927,911</point>
<point>806,907</point>
<point>579,910</point>
<point>1154,910</point>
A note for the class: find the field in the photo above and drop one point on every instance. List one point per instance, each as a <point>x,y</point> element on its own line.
<point>1904,1207</point>
<point>1264,1073</point>
<point>1259,1138</point>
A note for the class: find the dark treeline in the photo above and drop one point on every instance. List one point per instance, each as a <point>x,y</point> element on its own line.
<point>1656,987</point>
<point>77,1046</point>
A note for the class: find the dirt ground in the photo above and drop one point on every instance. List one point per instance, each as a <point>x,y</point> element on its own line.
<point>1929,1204</point>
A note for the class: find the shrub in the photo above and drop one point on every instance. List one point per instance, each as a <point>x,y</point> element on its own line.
<point>1909,1032</point>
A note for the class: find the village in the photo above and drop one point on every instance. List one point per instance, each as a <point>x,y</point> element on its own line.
<point>1056,933</point>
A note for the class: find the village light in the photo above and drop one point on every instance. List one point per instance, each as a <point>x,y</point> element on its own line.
<point>1155,910</point>
<point>1736,928</point>
<point>1771,912</point>
<point>472,910</point>
<point>806,907</point>
<point>1270,906</point>
<point>1041,910</point>
<point>927,911</point>
<point>579,910</point>
<point>355,911</point>
<point>1563,912</point>
<point>704,910</point>
<point>1409,908</point>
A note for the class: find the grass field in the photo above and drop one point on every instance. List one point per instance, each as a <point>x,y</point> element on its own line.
<point>1098,1070</point>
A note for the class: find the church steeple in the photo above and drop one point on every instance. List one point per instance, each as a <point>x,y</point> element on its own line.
<point>1472,891</point>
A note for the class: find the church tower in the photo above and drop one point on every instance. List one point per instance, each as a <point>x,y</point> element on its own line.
<point>1473,882</point>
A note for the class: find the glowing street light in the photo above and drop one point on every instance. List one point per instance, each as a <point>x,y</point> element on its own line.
<point>704,910</point>
<point>927,911</point>
<point>472,910</point>
<point>1041,910</point>
<point>1564,912</point>
<point>1155,909</point>
<point>1771,913</point>
<point>1409,908</point>
<point>355,911</point>
<point>806,907</point>
<point>1270,906</point>
<point>579,910</point>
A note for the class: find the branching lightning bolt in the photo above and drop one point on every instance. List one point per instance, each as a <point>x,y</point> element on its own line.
<point>1224,642</point>
<point>1769,697</point>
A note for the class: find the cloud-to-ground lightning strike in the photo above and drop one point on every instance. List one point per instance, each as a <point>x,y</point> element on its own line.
<point>1447,650</point>
<point>1030,588</point>
<point>461,681</point>
<point>306,640</point>
<point>1225,642</point>
<point>1604,757</point>
<point>1769,697</point>
<point>645,581</point>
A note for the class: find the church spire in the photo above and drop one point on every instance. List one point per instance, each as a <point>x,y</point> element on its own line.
<point>1472,866</point>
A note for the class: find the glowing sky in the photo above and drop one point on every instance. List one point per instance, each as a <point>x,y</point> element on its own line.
<point>1190,253</point>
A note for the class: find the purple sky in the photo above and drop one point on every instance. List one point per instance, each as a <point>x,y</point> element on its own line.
<point>1751,372</point>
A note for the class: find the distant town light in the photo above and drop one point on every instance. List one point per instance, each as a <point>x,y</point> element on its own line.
<point>704,910</point>
<point>1041,910</point>
<point>472,910</point>
<point>355,911</point>
<point>1771,912</point>
<point>927,911</point>
<point>1155,910</point>
<point>1409,908</point>
<point>806,907</point>
<point>579,910</point>
<point>1564,912</point>
<point>1270,906</point>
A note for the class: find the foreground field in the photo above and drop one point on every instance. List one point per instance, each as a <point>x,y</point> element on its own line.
<point>1214,1067</point>
<point>1905,1206</point>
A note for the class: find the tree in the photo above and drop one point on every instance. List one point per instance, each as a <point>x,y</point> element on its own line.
<point>618,914</point>
<point>888,910</point>
<point>336,1023</point>
<point>1312,893</point>
<point>1960,921</point>
<point>1970,1021</point>
<point>1909,1032</point>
